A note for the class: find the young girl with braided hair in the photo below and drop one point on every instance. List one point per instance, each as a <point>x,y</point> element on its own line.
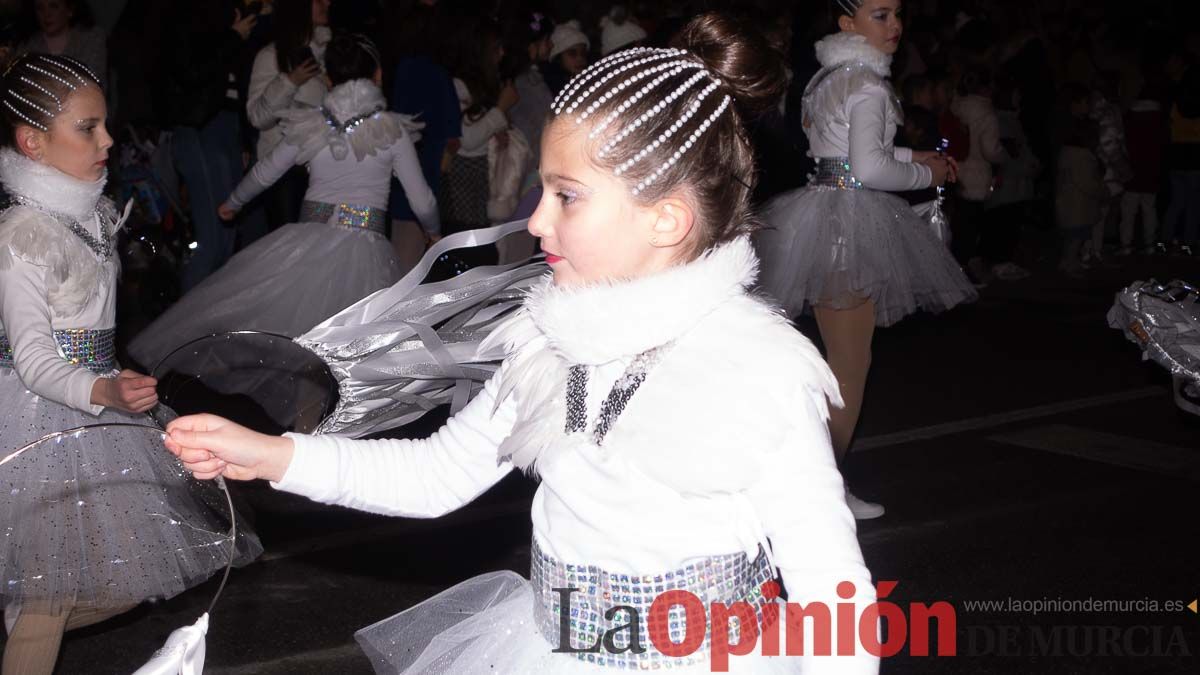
<point>676,421</point>
<point>843,246</point>
<point>75,551</point>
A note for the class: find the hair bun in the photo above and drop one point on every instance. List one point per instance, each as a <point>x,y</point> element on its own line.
<point>737,53</point>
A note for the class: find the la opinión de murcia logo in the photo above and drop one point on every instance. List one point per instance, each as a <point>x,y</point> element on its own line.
<point>853,630</point>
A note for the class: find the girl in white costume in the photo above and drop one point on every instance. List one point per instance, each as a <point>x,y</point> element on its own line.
<point>859,256</point>
<point>302,273</point>
<point>79,540</point>
<point>653,395</point>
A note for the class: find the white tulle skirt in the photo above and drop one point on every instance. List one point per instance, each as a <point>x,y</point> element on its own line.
<point>109,518</point>
<point>284,283</point>
<point>835,248</point>
<point>486,625</point>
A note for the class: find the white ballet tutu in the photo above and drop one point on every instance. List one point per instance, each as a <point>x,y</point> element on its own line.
<point>837,247</point>
<point>284,283</point>
<point>486,625</point>
<point>104,516</point>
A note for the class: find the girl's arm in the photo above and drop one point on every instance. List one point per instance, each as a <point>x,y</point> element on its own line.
<point>873,163</point>
<point>801,504</point>
<point>263,174</point>
<point>25,313</point>
<point>476,133</point>
<point>413,478</point>
<point>270,92</point>
<point>407,168</point>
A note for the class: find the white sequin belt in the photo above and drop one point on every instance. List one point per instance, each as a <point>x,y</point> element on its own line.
<point>589,613</point>
<point>353,216</point>
<point>92,349</point>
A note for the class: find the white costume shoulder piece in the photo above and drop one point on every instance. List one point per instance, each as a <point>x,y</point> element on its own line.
<point>36,236</point>
<point>698,313</point>
<point>353,116</point>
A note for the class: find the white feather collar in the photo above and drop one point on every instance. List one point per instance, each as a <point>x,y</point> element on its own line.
<point>848,47</point>
<point>351,99</point>
<point>48,186</point>
<point>600,323</point>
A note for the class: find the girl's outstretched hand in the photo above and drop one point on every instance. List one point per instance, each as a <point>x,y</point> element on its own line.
<point>211,446</point>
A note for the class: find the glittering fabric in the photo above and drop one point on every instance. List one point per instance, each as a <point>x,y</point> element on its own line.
<point>725,578</point>
<point>91,349</point>
<point>353,216</point>
<point>577,379</point>
<point>618,397</point>
<point>835,172</point>
<point>1164,320</point>
<point>104,515</point>
<point>102,246</point>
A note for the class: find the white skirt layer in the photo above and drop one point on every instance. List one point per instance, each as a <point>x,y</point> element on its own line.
<point>109,517</point>
<point>837,248</point>
<point>284,283</point>
<point>486,625</point>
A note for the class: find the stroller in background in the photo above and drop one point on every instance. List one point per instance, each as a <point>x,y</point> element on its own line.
<point>155,242</point>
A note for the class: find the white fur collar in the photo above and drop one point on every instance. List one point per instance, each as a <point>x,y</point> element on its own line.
<point>848,47</point>
<point>48,186</point>
<point>351,99</point>
<point>600,323</point>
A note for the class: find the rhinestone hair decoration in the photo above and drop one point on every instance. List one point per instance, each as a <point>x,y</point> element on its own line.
<point>651,68</point>
<point>29,99</point>
<point>850,7</point>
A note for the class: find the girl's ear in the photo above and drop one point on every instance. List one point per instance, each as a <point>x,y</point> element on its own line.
<point>673,221</point>
<point>846,23</point>
<point>31,142</point>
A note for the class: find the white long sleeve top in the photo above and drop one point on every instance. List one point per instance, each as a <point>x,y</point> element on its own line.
<point>50,280</point>
<point>270,92</point>
<point>851,111</point>
<point>724,448</point>
<point>477,132</point>
<point>352,167</point>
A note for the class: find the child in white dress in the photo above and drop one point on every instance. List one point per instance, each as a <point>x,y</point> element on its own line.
<point>654,396</point>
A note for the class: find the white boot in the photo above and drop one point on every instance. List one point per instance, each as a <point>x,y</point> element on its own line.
<point>863,510</point>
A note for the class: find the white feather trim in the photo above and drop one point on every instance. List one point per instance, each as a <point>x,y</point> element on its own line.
<point>310,129</point>
<point>847,47</point>
<point>737,367</point>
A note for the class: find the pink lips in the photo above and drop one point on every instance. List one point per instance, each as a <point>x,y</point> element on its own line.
<point>551,259</point>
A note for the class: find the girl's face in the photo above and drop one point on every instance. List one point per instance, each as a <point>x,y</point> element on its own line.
<point>320,12</point>
<point>574,60</point>
<point>879,22</point>
<point>53,16</point>
<point>77,141</point>
<point>591,229</point>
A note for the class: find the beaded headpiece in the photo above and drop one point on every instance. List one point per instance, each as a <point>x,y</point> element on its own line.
<point>30,100</point>
<point>850,6</point>
<point>649,69</point>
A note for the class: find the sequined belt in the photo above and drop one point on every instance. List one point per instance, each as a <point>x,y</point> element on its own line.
<point>835,172</point>
<point>725,578</point>
<point>353,216</point>
<point>93,349</point>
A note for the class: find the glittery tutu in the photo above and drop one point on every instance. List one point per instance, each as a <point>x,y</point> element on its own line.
<point>835,247</point>
<point>486,625</point>
<point>284,283</point>
<point>104,516</point>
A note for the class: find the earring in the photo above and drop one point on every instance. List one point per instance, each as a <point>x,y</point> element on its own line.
<point>654,240</point>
